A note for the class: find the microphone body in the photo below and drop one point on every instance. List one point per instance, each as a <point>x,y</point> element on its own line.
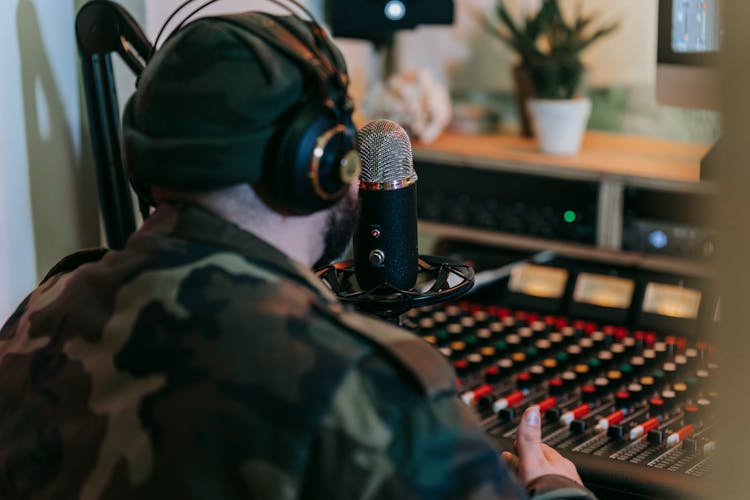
<point>385,240</point>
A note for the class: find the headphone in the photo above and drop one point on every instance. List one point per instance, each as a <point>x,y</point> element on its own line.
<point>311,159</point>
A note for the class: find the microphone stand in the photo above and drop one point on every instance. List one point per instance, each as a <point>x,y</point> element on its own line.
<point>104,27</point>
<point>438,280</point>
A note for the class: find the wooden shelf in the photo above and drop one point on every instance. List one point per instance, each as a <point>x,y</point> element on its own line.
<point>614,162</point>
<point>634,160</point>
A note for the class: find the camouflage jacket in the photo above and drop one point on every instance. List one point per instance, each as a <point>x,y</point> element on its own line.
<point>201,363</point>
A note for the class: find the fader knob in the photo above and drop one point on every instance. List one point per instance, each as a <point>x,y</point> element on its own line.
<point>636,393</point>
<point>691,355</point>
<point>649,356</point>
<point>543,346</point>
<point>569,379</point>
<point>462,367</point>
<point>556,386</point>
<point>562,359</point>
<point>475,361</point>
<point>549,364</point>
<point>632,345</point>
<point>519,358</point>
<point>574,352</point>
<point>614,377</point>
<point>488,353</point>
<point>605,358</point>
<point>656,406</point>
<point>484,335</point>
<point>647,383</point>
<point>681,361</point>
<point>588,393</point>
<point>581,370</point>
<point>537,373</point>
<point>622,399</point>
<point>440,318</point>
<point>526,334</point>
<point>481,317</point>
<point>680,389</point>
<point>670,371</point>
<point>539,328</point>
<point>626,370</point>
<point>472,343</point>
<point>532,353</point>
<point>602,386</point>
<point>506,366</point>
<point>501,347</point>
<point>670,399</point>
<point>425,326</point>
<point>468,323</point>
<point>599,339</point>
<point>659,378</point>
<point>690,411</point>
<point>496,328</point>
<point>455,332</point>
<point>492,374</point>
<point>661,350</point>
<point>513,341</point>
<point>523,381</point>
<point>692,385</point>
<point>458,349</point>
<point>638,363</point>
<point>586,344</point>
<point>618,351</point>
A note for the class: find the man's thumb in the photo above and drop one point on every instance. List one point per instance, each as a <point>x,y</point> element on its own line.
<point>530,435</point>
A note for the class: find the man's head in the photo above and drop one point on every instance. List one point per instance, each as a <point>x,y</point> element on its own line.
<point>248,98</point>
<point>253,99</point>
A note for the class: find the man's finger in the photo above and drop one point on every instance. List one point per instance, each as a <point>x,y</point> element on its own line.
<point>511,460</point>
<point>530,436</point>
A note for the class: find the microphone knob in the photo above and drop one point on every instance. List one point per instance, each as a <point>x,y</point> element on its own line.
<point>377,257</point>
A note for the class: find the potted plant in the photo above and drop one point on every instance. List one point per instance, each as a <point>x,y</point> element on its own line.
<point>550,50</point>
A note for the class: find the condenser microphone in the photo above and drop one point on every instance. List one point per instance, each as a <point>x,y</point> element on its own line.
<point>385,240</point>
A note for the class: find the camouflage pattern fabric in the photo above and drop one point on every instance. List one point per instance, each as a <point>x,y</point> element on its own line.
<point>201,363</point>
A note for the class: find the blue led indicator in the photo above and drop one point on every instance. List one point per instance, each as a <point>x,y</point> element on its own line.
<point>395,10</point>
<point>658,239</point>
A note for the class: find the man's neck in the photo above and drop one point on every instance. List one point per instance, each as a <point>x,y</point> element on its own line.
<point>300,238</point>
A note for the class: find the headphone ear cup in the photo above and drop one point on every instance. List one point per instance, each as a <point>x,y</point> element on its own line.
<point>308,174</point>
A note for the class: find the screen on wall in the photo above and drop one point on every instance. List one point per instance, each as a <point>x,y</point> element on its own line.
<point>695,26</point>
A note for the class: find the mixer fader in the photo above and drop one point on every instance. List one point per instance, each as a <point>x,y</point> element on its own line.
<point>632,408</point>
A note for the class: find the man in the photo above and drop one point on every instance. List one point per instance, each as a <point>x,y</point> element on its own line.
<point>205,360</point>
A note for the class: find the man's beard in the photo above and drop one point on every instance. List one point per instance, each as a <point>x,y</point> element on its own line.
<point>342,220</point>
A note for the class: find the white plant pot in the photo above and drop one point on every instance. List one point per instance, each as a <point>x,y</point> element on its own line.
<point>559,124</point>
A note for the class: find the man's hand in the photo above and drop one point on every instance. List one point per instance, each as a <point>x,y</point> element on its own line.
<point>534,458</point>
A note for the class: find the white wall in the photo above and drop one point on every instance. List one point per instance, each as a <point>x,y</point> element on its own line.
<point>360,56</point>
<point>17,261</point>
<point>48,199</point>
<point>468,59</point>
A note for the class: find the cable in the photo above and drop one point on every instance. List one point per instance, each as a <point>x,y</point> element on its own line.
<point>166,23</point>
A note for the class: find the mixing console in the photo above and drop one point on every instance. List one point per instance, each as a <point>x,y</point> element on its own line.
<point>632,409</point>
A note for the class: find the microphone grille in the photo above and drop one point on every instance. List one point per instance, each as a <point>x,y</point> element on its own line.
<point>385,150</point>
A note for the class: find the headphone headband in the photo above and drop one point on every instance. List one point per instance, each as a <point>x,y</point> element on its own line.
<point>285,39</point>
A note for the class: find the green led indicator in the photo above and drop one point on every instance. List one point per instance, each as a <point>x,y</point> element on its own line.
<point>569,216</point>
